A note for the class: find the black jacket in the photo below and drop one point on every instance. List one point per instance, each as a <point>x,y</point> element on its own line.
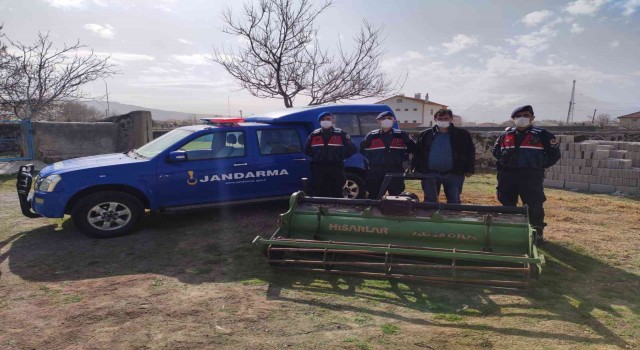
<point>330,146</point>
<point>387,149</point>
<point>463,150</point>
<point>536,149</point>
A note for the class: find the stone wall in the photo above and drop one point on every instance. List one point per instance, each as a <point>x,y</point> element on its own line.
<point>484,142</point>
<point>596,166</point>
<point>134,129</point>
<point>55,141</point>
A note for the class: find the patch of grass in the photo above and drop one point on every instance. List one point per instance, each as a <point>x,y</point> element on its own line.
<point>157,282</point>
<point>449,317</point>
<point>51,292</point>
<point>254,282</point>
<point>382,295</point>
<point>377,283</point>
<point>358,343</point>
<point>362,319</point>
<point>471,312</point>
<point>389,329</point>
<point>71,299</point>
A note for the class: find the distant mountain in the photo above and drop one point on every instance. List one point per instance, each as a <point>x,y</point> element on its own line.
<point>157,114</point>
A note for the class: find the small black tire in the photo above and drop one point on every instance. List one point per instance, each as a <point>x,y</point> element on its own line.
<point>107,214</point>
<point>353,187</point>
<point>410,195</point>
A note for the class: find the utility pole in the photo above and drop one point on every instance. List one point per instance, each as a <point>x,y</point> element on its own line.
<point>106,89</point>
<point>571,103</point>
<point>240,113</point>
<point>593,119</point>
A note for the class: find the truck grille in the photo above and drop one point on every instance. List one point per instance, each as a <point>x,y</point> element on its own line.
<point>37,181</point>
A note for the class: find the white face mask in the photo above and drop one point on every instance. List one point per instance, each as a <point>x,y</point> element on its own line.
<point>326,124</point>
<point>522,122</point>
<point>386,124</point>
<point>442,124</point>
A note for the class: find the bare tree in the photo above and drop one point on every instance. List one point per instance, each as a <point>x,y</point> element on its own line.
<point>79,112</point>
<point>3,50</point>
<point>281,57</point>
<point>6,62</point>
<point>603,120</point>
<point>36,76</point>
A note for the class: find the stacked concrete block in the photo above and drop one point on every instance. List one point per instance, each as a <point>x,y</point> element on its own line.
<point>596,166</point>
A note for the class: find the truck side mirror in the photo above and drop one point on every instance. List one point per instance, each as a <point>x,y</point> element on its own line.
<point>177,156</point>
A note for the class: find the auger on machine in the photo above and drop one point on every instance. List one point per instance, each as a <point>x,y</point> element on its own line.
<point>398,237</point>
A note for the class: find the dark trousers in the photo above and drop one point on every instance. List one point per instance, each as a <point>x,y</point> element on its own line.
<point>375,177</point>
<point>452,184</point>
<point>528,184</point>
<point>327,180</point>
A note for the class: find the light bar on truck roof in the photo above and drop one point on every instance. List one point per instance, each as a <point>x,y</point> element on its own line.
<point>222,121</point>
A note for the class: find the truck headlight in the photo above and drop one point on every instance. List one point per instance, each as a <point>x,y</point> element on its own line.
<point>48,184</point>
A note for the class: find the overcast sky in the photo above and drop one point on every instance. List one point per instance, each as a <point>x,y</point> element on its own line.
<point>482,58</point>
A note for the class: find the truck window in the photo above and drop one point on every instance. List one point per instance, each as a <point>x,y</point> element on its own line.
<point>158,145</point>
<point>356,124</point>
<point>368,122</point>
<point>216,145</point>
<point>279,141</point>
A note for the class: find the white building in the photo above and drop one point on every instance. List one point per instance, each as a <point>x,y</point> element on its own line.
<point>414,112</point>
<point>630,121</point>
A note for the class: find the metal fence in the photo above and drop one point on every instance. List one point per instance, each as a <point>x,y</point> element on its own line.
<point>16,140</point>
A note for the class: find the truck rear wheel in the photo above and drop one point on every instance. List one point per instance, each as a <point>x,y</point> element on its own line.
<point>107,214</point>
<point>353,187</point>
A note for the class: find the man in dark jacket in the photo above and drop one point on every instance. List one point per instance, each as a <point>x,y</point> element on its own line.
<point>523,152</point>
<point>448,154</point>
<point>386,149</point>
<point>328,147</point>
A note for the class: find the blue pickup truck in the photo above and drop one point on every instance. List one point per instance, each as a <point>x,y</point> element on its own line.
<point>226,161</point>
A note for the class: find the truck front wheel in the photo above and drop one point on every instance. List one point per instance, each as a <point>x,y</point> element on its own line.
<point>107,214</point>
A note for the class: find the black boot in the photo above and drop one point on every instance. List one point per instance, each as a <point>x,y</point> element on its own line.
<point>539,238</point>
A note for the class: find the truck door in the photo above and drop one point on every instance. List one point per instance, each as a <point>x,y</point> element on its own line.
<point>215,171</point>
<point>281,157</point>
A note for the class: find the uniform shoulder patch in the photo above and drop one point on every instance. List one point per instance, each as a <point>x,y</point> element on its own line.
<point>374,131</point>
<point>347,136</point>
<point>337,129</point>
<point>553,142</point>
<point>317,131</point>
<point>396,131</point>
<point>508,128</point>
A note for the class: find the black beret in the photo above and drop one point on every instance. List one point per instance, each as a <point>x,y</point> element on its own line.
<point>526,108</point>
<point>324,114</point>
<point>384,114</point>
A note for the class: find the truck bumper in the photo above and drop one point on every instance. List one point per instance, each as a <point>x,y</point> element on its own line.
<point>23,186</point>
<point>37,204</point>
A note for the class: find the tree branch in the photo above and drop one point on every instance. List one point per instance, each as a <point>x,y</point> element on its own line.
<point>40,75</point>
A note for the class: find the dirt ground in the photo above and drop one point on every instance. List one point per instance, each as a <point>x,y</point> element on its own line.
<point>195,281</point>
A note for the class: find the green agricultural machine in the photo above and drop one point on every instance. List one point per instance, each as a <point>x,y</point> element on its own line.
<point>397,237</point>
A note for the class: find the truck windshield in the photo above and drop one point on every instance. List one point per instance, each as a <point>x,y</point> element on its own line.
<point>158,145</point>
